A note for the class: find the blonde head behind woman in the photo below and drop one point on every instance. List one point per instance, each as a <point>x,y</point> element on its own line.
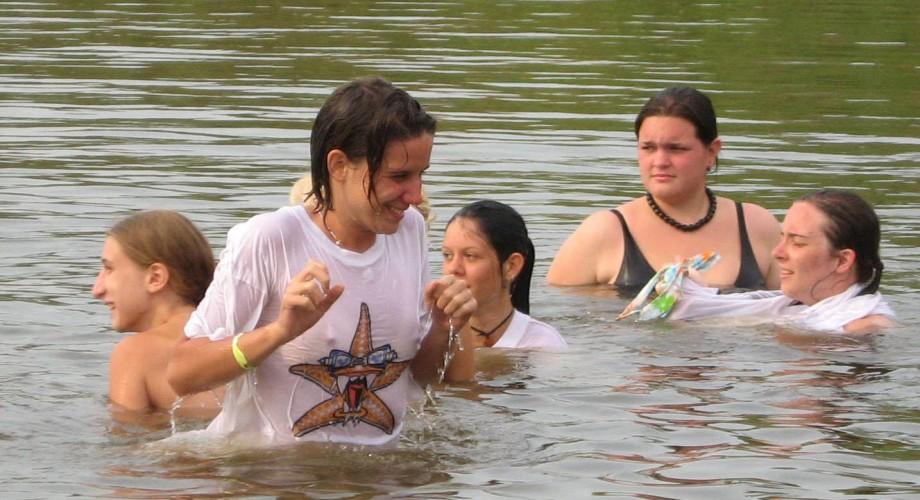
<point>301,191</point>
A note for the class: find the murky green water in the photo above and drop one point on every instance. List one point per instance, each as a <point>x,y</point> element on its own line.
<point>111,107</point>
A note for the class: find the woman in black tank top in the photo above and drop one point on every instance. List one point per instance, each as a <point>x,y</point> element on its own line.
<point>678,216</point>
<point>635,271</point>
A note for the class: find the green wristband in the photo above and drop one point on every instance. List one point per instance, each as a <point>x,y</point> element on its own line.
<point>238,353</point>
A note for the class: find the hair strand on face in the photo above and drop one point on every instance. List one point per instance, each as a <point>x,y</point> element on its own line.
<point>853,224</point>
<point>360,119</point>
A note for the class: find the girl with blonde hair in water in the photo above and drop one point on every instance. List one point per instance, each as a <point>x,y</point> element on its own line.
<point>156,266</point>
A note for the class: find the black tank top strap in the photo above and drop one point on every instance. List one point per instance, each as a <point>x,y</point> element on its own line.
<point>749,275</point>
<point>635,270</point>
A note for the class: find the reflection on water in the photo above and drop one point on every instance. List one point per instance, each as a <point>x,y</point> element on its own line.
<point>106,108</point>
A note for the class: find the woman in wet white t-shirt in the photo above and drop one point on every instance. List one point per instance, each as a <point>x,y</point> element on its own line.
<point>322,316</point>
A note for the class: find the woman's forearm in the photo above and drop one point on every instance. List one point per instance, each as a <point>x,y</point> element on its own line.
<point>462,367</point>
<point>430,357</point>
<point>201,364</point>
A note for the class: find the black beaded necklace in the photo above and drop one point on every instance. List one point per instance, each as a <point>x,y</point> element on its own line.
<point>484,333</point>
<point>684,227</point>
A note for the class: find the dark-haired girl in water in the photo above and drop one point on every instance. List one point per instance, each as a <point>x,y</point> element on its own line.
<point>829,267</point>
<point>679,216</point>
<point>487,245</point>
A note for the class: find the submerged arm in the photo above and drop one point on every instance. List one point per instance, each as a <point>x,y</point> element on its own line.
<point>872,323</point>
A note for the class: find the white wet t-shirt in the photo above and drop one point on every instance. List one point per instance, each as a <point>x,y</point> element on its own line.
<point>525,332</point>
<point>346,379</point>
<point>831,314</point>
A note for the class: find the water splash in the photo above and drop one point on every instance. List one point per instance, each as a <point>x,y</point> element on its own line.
<point>177,404</point>
<point>420,413</point>
<point>172,414</point>
<point>453,340</point>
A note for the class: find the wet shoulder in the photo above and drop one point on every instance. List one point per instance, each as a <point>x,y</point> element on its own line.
<point>542,335</point>
<point>413,230</point>
<point>759,218</point>
<point>141,350</point>
<point>267,230</point>
<point>603,225</point>
<point>272,224</point>
<point>763,229</point>
<point>414,220</point>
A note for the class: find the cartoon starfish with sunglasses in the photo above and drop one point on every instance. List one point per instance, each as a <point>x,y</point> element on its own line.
<point>358,402</point>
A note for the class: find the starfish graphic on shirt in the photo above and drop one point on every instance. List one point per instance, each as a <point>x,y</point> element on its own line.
<point>358,402</point>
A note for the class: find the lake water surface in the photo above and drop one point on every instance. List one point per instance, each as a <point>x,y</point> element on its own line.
<point>111,107</point>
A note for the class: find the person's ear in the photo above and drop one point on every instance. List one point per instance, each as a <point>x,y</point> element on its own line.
<point>714,148</point>
<point>337,162</point>
<point>157,277</point>
<point>846,260</point>
<point>512,266</point>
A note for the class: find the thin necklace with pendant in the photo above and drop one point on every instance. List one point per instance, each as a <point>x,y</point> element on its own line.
<point>335,239</point>
<point>485,333</point>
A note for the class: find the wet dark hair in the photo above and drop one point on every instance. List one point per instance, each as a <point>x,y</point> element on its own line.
<point>504,229</point>
<point>687,103</point>
<point>361,118</point>
<point>854,225</point>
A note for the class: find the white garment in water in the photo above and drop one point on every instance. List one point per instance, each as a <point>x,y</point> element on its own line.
<point>347,378</point>
<point>830,314</point>
<point>525,332</point>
